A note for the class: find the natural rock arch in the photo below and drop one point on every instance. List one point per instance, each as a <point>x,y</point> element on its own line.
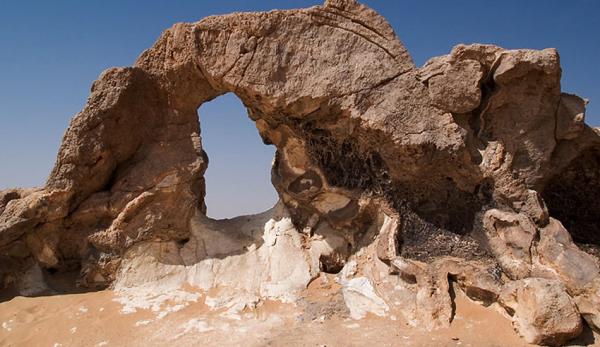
<point>438,170</point>
<point>140,122</point>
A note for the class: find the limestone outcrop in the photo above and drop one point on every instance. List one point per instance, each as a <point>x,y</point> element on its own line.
<point>474,170</point>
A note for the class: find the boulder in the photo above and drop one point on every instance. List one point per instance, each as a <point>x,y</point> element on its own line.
<point>564,260</point>
<point>510,237</point>
<point>542,311</point>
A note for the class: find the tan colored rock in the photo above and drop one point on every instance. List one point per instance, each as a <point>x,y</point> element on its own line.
<point>453,84</point>
<point>570,119</point>
<point>573,267</point>
<point>559,258</point>
<point>542,311</point>
<point>433,303</point>
<point>388,244</point>
<point>510,237</point>
<point>588,304</point>
<point>473,158</point>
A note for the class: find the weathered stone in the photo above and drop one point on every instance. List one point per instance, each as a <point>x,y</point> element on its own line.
<point>360,298</point>
<point>588,304</point>
<point>442,171</point>
<point>250,256</point>
<point>542,311</point>
<point>570,117</point>
<point>433,302</point>
<point>510,237</point>
<point>454,86</point>
<point>388,244</point>
<point>565,261</point>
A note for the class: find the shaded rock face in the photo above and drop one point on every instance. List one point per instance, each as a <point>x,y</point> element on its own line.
<point>571,196</point>
<point>454,171</point>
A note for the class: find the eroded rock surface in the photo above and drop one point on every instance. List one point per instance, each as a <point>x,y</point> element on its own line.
<point>543,312</point>
<point>461,172</point>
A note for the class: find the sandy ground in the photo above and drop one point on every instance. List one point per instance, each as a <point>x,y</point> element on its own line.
<point>107,318</point>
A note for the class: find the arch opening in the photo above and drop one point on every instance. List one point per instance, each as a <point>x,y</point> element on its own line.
<point>238,176</point>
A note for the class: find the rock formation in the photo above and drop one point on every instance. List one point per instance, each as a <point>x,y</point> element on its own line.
<point>474,170</point>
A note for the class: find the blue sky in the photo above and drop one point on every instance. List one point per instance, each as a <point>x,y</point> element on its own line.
<point>51,51</point>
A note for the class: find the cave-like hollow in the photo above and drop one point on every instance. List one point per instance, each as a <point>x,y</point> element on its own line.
<point>572,197</point>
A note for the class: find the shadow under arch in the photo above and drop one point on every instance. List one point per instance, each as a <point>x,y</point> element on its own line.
<point>572,197</point>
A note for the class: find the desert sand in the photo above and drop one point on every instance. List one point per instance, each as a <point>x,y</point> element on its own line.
<point>98,319</point>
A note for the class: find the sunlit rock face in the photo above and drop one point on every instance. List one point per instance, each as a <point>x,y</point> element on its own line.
<point>402,179</point>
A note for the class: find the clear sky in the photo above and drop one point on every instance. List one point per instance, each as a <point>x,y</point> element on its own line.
<point>51,51</point>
